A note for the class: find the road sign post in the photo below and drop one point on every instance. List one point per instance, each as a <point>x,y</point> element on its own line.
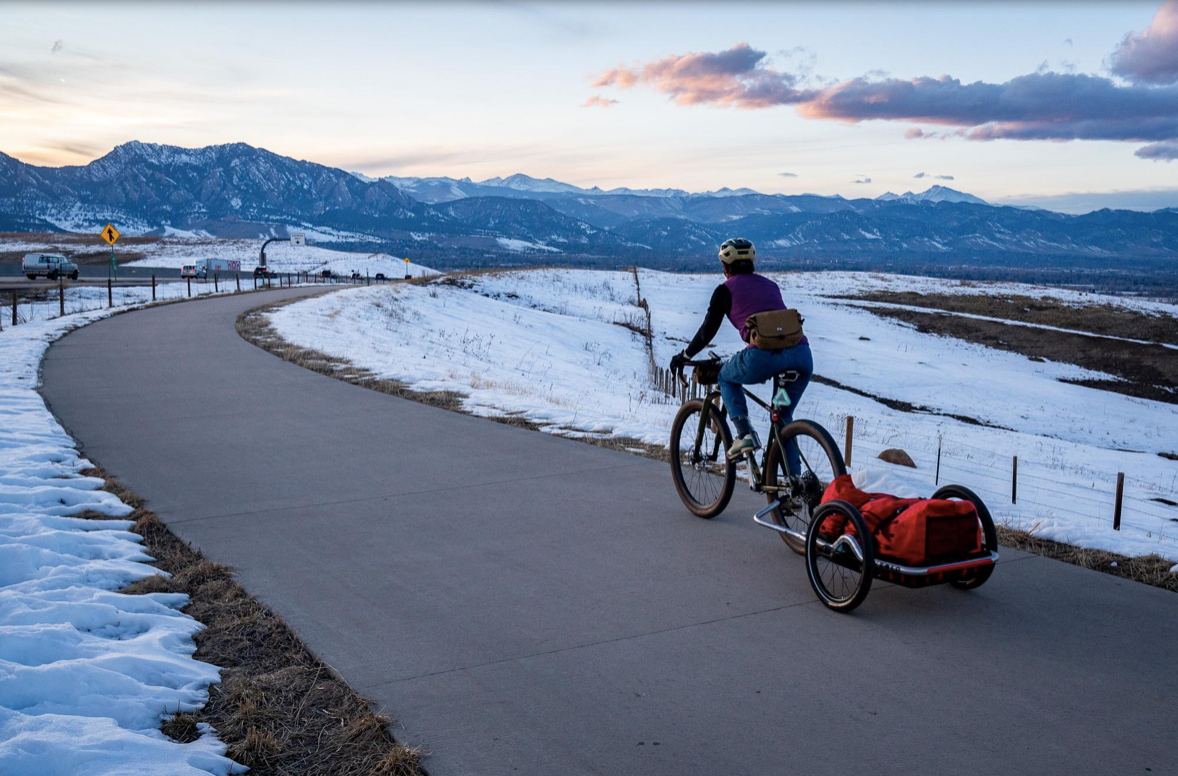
<point>406,267</point>
<point>111,235</point>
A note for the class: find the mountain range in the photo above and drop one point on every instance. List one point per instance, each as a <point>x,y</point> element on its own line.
<point>237,190</point>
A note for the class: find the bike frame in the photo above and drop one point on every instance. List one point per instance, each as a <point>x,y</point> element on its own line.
<point>756,471</point>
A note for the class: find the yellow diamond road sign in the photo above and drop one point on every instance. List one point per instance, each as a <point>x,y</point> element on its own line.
<point>110,234</point>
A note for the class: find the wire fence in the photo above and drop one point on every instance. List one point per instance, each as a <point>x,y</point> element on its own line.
<point>1024,492</point>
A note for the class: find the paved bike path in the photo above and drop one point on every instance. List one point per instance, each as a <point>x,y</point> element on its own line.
<point>525,604</point>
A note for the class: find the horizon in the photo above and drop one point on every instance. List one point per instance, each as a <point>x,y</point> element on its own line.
<point>1168,199</point>
<point>1069,107</point>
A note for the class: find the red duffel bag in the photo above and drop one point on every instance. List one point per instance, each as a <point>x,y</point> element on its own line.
<point>912,531</point>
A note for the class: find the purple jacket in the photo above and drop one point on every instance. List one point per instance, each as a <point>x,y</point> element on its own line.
<point>737,298</point>
<point>751,294</point>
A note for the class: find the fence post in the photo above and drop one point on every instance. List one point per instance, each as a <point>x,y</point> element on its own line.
<point>60,296</point>
<point>110,301</point>
<point>153,288</point>
<point>190,287</point>
<point>937,481</point>
<point>850,439</point>
<point>1014,482</point>
<point>1117,506</point>
<point>216,282</point>
<point>238,276</point>
<point>14,307</point>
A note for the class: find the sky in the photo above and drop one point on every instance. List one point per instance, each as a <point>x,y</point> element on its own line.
<point>1061,104</point>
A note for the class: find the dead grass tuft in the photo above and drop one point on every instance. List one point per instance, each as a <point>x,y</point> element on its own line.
<point>181,727</point>
<point>1147,569</point>
<point>279,708</point>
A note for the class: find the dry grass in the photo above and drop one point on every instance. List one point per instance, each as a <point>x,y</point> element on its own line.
<point>1147,371</point>
<point>1148,569</point>
<point>279,709</point>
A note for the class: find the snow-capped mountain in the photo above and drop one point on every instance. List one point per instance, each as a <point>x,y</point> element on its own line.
<point>933,194</point>
<point>236,190</point>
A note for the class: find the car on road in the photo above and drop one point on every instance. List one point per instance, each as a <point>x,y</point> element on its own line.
<point>263,272</point>
<point>356,275</point>
<point>193,271</point>
<point>380,278</point>
<point>51,265</point>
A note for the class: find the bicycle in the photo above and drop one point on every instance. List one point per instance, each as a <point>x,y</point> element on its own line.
<point>706,479</point>
<point>840,563</point>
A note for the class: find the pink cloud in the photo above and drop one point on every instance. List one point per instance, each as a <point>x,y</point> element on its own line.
<point>1038,106</point>
<point>1151,56</point>
<point>737,77</point>
<point>597,101</point>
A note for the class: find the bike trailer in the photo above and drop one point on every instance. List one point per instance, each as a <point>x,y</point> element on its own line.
<point>914,542</point>
<point>911,531</point>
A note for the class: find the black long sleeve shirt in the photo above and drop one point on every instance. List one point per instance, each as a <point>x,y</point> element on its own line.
<point>718,308</point>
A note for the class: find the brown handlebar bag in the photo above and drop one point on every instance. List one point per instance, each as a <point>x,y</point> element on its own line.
<point>774,329</point>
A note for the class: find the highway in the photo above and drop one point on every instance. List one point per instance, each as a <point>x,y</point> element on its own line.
<point>525,604</point>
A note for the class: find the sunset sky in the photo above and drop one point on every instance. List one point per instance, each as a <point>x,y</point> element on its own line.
<point>1054,103</point>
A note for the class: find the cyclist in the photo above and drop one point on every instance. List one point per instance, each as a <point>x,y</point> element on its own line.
<point>742,294</point>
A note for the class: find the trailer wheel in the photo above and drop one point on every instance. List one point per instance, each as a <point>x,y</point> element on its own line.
<point>841,564</point>
<point>973,577</point>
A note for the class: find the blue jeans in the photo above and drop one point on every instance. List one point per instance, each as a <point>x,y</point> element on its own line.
<point>752,366</point>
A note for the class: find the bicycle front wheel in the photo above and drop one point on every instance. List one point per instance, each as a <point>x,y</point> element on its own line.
<point>819,462</point>
<point>704,476</point>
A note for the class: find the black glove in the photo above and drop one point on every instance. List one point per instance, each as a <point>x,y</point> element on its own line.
<point>677,362</point>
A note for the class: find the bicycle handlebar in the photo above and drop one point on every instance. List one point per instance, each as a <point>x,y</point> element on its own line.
<point>678,373</point>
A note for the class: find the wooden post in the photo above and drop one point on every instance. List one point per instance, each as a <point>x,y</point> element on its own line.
<point>14,307</point>
<point>60,295</point>
<point>153,288</point>
<point>216,283</point>
<point>238,276</point>
<point>1117,505</point>
<point>850,440</point>
<point>937,481</point>
<point>110,302</point>
<point>190,287</point>
<point>1014,482</point>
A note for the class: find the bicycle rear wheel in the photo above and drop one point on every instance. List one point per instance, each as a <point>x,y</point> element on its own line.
<point>820,462</point>
<point>704,477</point>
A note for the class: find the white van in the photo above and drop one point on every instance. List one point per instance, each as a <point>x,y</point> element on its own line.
<point>49,265</point>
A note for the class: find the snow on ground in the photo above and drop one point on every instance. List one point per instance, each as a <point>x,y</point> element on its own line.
<point>549,345</point>
<point>179,248</point>
<point>280,256</point>
<point>87,299</point>
<point>87,674</point>
<point>523,246</point>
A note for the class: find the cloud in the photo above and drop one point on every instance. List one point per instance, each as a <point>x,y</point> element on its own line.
<point>1043,105</point>
<point>597,101</point>
<point>788,174</point>
<point>1068,42</point>
<point>1159,152</point>
<point>58,45</point>
<point>919,175</point>
<point>738,77</point>
<point>1150,56</point>
<point>943,177</point>
<point>863,179</point>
